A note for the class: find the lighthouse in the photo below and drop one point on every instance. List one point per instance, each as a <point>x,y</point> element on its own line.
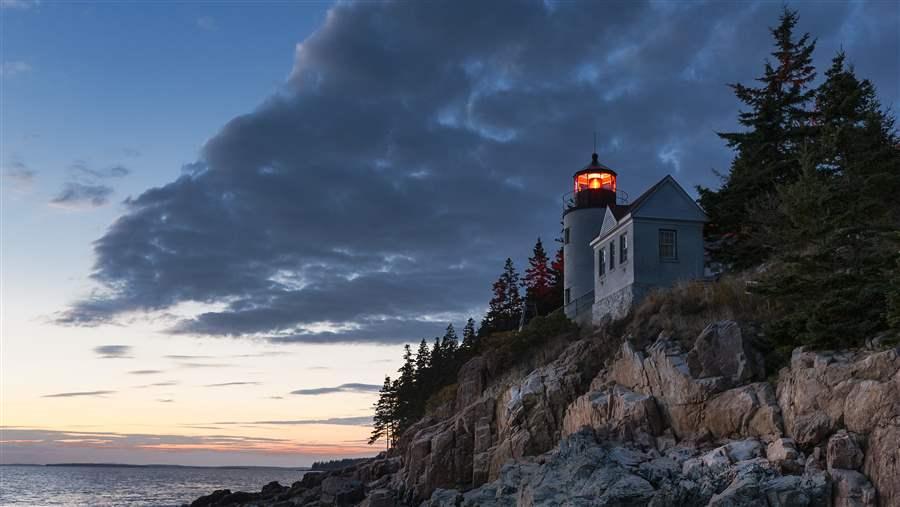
<point>594,193</point>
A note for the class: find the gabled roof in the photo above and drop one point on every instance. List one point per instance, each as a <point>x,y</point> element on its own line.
<point>622,212</point>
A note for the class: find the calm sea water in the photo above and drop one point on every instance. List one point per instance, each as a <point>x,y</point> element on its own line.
<point>129,486</point>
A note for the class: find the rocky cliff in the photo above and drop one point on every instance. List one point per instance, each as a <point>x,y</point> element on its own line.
<point>674,422</point>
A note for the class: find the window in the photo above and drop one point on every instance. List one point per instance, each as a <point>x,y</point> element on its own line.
<point>568,296</point>
<point>566,236</point>
<point>623,248</point>
<point>668,245</point>
<point>601,261</point>
<point>612,254</point>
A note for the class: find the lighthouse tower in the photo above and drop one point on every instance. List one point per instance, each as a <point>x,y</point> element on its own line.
<point>595,191</point>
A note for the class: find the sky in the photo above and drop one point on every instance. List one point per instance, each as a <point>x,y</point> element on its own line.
<point>221,221</point>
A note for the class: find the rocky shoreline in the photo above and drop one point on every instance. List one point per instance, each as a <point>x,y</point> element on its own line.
<point>671,423</point>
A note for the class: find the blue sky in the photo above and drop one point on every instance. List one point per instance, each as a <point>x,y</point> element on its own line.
<point>251,200</point>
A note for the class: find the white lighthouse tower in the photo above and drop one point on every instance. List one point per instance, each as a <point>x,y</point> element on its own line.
<point>595,191</point>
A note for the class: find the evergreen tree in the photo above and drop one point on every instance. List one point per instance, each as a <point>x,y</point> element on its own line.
<point>424,371</point>
<point>778,123</point>
<point>505,306</point>
<point>469,339</point>
<point>384,422</point>
<point>837,223</point>
<point>406,394</point>
<point>449,343</point>
<point>557,269</point>
<point>538,281</point>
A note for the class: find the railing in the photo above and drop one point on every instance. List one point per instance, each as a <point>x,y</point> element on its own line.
<point>568,199</point>
<point>581,304</point>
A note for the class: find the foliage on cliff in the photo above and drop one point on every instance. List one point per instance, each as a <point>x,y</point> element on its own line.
<point>812,193</point>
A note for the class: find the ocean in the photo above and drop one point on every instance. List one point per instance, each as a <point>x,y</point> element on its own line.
<point>124,486</point>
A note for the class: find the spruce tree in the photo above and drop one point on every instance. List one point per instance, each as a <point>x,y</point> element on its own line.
<point>450,342</point>
<point>505,305</point>
<point>538,281</point>
<point>838,222</point>
<point>383,422</point>
<point>778,123</point>
<point>424,372</point>
<point>406,411</point>
<point>469,338</point>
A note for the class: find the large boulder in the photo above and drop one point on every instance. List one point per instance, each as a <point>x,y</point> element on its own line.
<point>749,410</point>
<point>843,451</point>
<point>722,350</point>
<point>820,392</point>
<point>882,462</point>
<point>693,404</point>
<point>613,411</point>
<point>851,489</point>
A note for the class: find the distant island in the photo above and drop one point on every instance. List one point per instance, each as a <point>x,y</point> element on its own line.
<point>152,465</point>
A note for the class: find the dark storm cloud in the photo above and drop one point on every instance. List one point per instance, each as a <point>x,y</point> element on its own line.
<point>77,394</point>
<point>80,195</point>
<point>343,388</point>
<point>417,145</point>
<point>113,351</point>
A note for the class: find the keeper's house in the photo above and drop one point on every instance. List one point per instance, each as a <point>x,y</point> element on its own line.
<point>615,253</point>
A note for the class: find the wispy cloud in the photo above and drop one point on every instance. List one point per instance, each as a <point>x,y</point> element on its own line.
<point>76,195</point>
<point>338,421</point>
<point>19,4</point>
<point>178,357</point>
<point>319,368</point>
<point>158,384</point>
<point>206,365</point>
<point>82,169</point>
<point>165,400</point>
<point>228,384</point>
<point>343,388</point>
<point>22,444</point>
<point>113,351</point>
<point>86,187</point>
<point>20,176</point>
<point>145,372</point>
<point>77,394</point>
<point>207,23</point>
<point>14,68</point>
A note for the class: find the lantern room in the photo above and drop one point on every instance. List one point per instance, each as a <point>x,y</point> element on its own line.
<point>595,186</point>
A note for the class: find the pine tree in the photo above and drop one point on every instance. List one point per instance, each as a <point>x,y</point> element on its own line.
<point>538,281</point>
<point>505,306</point>
<point>470,339</point>
<point>838,222</point>
<point>449,343</point>
<point>778,123</point>
<point>406,411</point>
<point>383,422</point>
<point>424,372</point>
<point>557,269</point>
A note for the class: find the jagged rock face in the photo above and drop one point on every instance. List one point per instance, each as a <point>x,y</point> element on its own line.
<point>822,392</point>
<point>488,430</point>
<point>693,404</point>
<point>583,471</point>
